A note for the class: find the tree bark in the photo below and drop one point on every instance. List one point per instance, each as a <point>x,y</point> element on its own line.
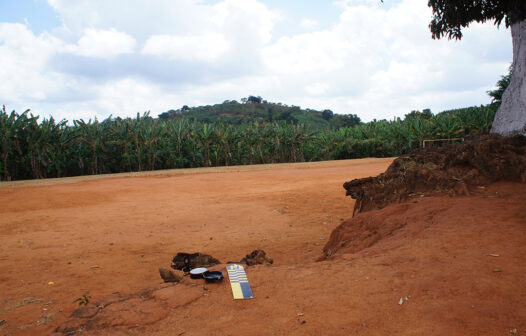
<point>511,116</point>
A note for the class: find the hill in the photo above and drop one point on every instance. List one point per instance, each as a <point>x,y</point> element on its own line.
<point>256,109</point>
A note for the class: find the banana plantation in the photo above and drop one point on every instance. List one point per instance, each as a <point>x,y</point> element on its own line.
<point>33,148</point>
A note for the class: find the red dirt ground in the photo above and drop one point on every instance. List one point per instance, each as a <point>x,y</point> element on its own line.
<point>458,264</point>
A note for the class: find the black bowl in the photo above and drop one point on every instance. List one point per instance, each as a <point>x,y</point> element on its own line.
<point>213,276</point>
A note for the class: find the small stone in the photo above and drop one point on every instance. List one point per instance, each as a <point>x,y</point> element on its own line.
<point>400,301</point>
<point>169,276</point>
<point>496,270</point>
<point>303,322</point>
<point>300,314</point>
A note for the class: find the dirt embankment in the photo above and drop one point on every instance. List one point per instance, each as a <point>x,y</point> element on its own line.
<point>456,169</point>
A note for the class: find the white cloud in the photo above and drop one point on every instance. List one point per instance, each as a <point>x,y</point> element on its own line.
<point>381,62</point>
<point>201,48</point>
<point>247,21</point>
<point>102,44</point>
<point>317,89</point>
<point>122,57</point>
<point>23,56</point>
<point>309,24</point>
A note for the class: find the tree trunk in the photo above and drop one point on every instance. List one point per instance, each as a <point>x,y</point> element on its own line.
<point>511,116</point>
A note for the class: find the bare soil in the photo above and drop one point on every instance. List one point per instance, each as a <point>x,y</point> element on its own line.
<point>456,265</point>
<point>456,169</point>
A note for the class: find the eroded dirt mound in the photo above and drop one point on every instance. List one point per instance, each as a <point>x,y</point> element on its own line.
<point>456,169</point>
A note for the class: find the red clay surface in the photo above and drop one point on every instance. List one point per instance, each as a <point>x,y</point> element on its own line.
<point>458,264</point>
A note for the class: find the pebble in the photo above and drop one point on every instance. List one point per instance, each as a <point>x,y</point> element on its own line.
<point>400,301</point>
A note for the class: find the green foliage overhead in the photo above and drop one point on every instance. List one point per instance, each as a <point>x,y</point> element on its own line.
<point>450,16</point>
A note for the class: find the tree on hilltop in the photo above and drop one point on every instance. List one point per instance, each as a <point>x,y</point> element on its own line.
<point>327,114</point>
<point>254,100</point>
<point>450,16</point>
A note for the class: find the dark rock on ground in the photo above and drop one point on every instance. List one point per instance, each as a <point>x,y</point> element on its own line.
<point>169,276</point>
<point>187,261</point>
<point>257,257</point>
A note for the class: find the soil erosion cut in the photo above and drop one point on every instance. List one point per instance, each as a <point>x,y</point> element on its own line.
<point>455,169</point>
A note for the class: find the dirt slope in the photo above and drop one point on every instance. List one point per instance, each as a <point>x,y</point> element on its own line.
<point>456,169</point>
<point>111,235</point>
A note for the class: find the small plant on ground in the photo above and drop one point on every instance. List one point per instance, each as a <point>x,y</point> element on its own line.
<point>84,299</point>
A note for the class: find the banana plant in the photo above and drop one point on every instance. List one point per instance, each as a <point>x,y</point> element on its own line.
<point>12,128</point>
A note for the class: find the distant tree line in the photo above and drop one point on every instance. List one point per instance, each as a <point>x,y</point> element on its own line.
<point>34,148</point>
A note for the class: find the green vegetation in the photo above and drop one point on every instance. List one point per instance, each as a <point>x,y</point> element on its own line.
<point>451,16</point>
<point>256,109</point>
<point>33,149</point>
<point>502,85</point>
<point>84,299</point>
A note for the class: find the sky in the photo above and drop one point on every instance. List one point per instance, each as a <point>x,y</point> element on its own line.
<point>85,59</point>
